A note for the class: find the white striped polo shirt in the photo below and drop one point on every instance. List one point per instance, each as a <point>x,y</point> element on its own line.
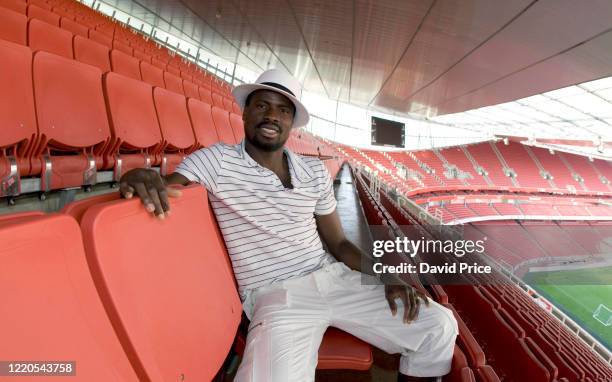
<point>270,231</point>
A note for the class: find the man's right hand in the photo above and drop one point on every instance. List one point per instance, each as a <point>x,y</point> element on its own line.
<point>150,187</point>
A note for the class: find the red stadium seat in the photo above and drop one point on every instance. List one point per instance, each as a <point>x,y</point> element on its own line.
<point>92,53</point>
<point>340,350</point>
<point>37,12</point>
<point>203,125</point>
<point>17,116</point>
<point>123,47</point>
<point>71,120</point>
<point>223,126</point>
<point>48,38</point>
<point>228,104</point>
<point>14,5</point>
<point>125,64</point>
<point>237,126</point>
<point>77,208</point>
<point>186,324</point>
<point>102,38</point>
<point>217,100</point>
<point>136,133</point>
<point>191,89</point>
<point>74,27</point>
<point>158,63</point>
<point>13,26</point>
<point>41,3</point>
<point>236,108</point>
<point>467,342</point>
<point>152,74</point>
<point>71,324</point>
<point>173,83</point>
<point>173,69</point>
<point>486,373</point>
<point>205,95</point>
<point>175,126</point>
<point>143,57</point>
<point>15,216</point>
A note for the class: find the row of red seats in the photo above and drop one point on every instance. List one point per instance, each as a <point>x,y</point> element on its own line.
<point>164,331</point>
<point>92,294</point>
<point>83,21</point>
<point>64,120</point>
<point>109,56</point>
<point>468,358</point>
<point>504,319</point>
<point>560,165</point>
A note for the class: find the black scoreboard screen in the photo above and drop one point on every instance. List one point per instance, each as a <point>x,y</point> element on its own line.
<point>387,133</point>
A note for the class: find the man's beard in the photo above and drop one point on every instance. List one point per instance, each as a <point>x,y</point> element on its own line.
<point>265,146</point>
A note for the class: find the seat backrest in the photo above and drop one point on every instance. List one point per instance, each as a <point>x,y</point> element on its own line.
<point>169,289</point>
<point>74,27</point>
<point>123,47</point>
<point>14,5</point>
<point>237,126</point>
<point>205,95</point>
<point>49,38</point>
<point>158,63</point>
<point>173,83</point>
<point>152,74</point>
<point>13,26</point>
<point>236,108</point>
<point>191,89</point>
<point>69,103</point>
<point>172,68</point>
<point>17,113</point>
<point>223,126</point>
<point>203,125</point>
<point>132,113</point>
<point>34,11</point>
<point>102,38</point>
<point>42,259</point>
<point>143,57</point>
<point>92,53</point>
<point>227,104</point>
<point>77,208</point>
<point>125,64</point>
<point>217,100</point>
<point>173,119</point>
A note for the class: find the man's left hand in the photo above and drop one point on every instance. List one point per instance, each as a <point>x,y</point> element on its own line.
<point>409,296</point>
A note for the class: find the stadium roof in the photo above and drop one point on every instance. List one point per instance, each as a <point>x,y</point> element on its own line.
<point>576,113</point>
<point>429,57</point>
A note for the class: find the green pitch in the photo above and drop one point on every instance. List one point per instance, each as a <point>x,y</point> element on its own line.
<point>578,293</point>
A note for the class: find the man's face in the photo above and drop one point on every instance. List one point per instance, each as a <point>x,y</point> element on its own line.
<point>268,119</point>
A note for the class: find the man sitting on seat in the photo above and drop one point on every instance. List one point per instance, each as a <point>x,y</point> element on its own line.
<point>273,208</point>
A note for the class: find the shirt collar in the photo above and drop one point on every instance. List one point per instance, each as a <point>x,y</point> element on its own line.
<point>303,172</point>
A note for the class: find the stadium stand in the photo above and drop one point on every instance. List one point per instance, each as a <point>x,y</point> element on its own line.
<point>83,94</point>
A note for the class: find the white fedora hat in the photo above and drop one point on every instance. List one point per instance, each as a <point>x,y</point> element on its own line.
<point>280,82</point>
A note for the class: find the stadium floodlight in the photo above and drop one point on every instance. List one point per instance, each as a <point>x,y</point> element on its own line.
<point>603,314</point>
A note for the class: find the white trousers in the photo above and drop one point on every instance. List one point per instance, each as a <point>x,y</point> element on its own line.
<point>289,318</point>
